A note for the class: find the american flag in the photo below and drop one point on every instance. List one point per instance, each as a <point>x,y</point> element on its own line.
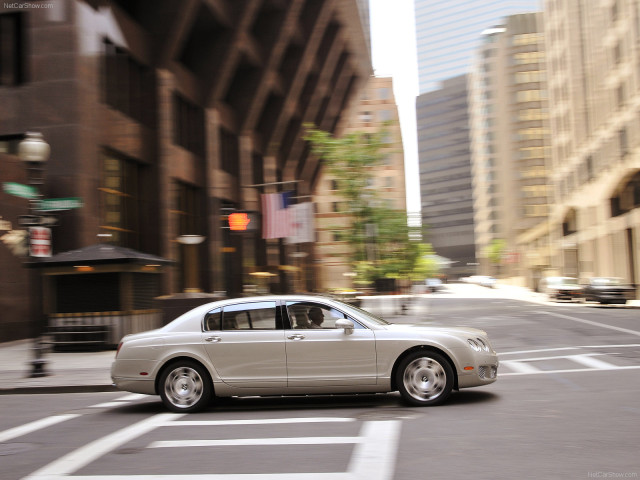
<point>276,216</point>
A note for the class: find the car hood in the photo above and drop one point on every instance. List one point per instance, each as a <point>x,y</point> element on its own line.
<point>457,331</point>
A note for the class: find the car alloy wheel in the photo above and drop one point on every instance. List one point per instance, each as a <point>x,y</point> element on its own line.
<point>425,378</point>
<point>185,387</point>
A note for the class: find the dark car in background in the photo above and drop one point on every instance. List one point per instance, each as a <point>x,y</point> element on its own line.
<point>607,290</point>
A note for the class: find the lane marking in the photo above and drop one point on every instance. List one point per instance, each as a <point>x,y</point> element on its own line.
<point>255,441</point>
<point>118,402</point>
<point>264,421</point>
<point>83,456</point>
<point>570,348</point>
<point>35,425</point>
<point>520,366</point>
<point>589,361</point>
<point>374,456</point>
<point>589,322</point>
<point>573,370</point>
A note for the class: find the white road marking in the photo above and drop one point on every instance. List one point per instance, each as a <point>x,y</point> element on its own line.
<point>569,348</point>
<point>373,458</point>
<point>571,370</point>
<point>255,441</point>
<point>521,367</point>
<point>589,361</point>
<point>83,456</point>
<point>34,426</point>
<point>118,402</point>
<point>260,421</point>
<point>589,322</point>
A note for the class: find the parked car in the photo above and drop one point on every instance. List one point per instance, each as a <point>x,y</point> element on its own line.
<point>281,345</point>
<point>433,284</point>
<point>561,288</point>
<point>607,290</point>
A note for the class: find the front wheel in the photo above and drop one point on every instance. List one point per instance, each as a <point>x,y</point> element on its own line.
<point>185,387</point>
<point>424,378</point>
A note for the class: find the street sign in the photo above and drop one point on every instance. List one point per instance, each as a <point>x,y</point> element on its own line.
<point>29,220</point>
<point>54,204</point>
<point>40,242</point>
<point>20,190</point>
<point>37,220</point>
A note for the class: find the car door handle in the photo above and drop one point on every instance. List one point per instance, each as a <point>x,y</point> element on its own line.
<point>296,336</point>
<point>212,339</point>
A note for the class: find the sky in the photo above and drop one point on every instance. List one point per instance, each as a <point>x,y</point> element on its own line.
<point>393,44</point>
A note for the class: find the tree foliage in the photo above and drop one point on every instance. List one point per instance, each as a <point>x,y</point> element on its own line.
<point>382,244</point>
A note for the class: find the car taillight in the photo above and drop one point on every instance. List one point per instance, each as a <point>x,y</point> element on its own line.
<point>118,350</point>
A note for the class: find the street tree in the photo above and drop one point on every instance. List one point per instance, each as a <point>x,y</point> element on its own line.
<point>381,243</point>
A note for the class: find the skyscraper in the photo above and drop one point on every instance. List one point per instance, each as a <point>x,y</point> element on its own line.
<point>447,35</point>
<point>449,32</point>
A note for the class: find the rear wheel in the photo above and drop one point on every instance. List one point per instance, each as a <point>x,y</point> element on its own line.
<point>185,387</point>
<point>424,378</point>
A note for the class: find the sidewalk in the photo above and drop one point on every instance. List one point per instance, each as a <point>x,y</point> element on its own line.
<point>68,371</point>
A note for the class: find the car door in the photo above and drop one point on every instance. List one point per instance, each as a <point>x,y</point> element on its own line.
<point>245,342</point>
<point>322,355</point>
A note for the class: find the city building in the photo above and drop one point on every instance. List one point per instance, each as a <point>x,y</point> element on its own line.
<point>445,175</point>
<point>593,64</point>
<point>448,33</point>
<point>374,111</point>
<point>510,150</point>
<point>164,117</point>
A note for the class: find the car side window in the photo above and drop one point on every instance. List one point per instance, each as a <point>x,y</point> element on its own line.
<point>212,319</point>
<point>250,316</point>
<point>311,315</point>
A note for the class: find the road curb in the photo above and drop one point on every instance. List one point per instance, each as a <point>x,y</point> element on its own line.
<point>47,389</point>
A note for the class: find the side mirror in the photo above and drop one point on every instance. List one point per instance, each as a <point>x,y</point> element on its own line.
<point>346,324</point>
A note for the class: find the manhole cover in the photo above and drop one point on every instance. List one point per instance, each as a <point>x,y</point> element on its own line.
<point>15,448</point>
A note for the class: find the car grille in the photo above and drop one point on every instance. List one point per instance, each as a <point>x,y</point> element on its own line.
<point>488,371</point>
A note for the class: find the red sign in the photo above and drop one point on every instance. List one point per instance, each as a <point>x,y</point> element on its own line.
<point>239,221</point>
<point>40,242</point>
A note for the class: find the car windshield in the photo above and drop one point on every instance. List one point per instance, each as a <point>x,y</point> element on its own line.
<point>363,313</point>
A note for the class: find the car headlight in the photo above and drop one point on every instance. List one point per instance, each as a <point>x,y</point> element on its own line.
<point>474,345</point>
<point>479,344</point>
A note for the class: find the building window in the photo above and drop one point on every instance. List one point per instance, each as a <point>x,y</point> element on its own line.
<point>119,200</point>
<point>622,139</point>
<point>366,117</point>
<point>229,155</point>
<point>128,85</point>
<point>189,120</point>
<point>187,206</point>
<point>12,54</point>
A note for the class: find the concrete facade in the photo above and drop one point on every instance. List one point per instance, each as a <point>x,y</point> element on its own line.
<point>593,60</point>
<point>510,138</point>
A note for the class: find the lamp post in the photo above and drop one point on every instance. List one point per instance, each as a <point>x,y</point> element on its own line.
<point>34,152</point>
<point>191,242</point>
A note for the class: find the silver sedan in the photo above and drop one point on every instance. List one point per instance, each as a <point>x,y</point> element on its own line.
<point>291,345</point>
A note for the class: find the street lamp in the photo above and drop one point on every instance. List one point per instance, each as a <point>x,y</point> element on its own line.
<point>34,151</point>
<point>191,243</point>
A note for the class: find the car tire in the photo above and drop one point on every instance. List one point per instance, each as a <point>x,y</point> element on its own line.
<point>185,387</point>
<point>424,378</point>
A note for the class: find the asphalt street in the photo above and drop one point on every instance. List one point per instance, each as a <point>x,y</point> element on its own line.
<point>565,406</point>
